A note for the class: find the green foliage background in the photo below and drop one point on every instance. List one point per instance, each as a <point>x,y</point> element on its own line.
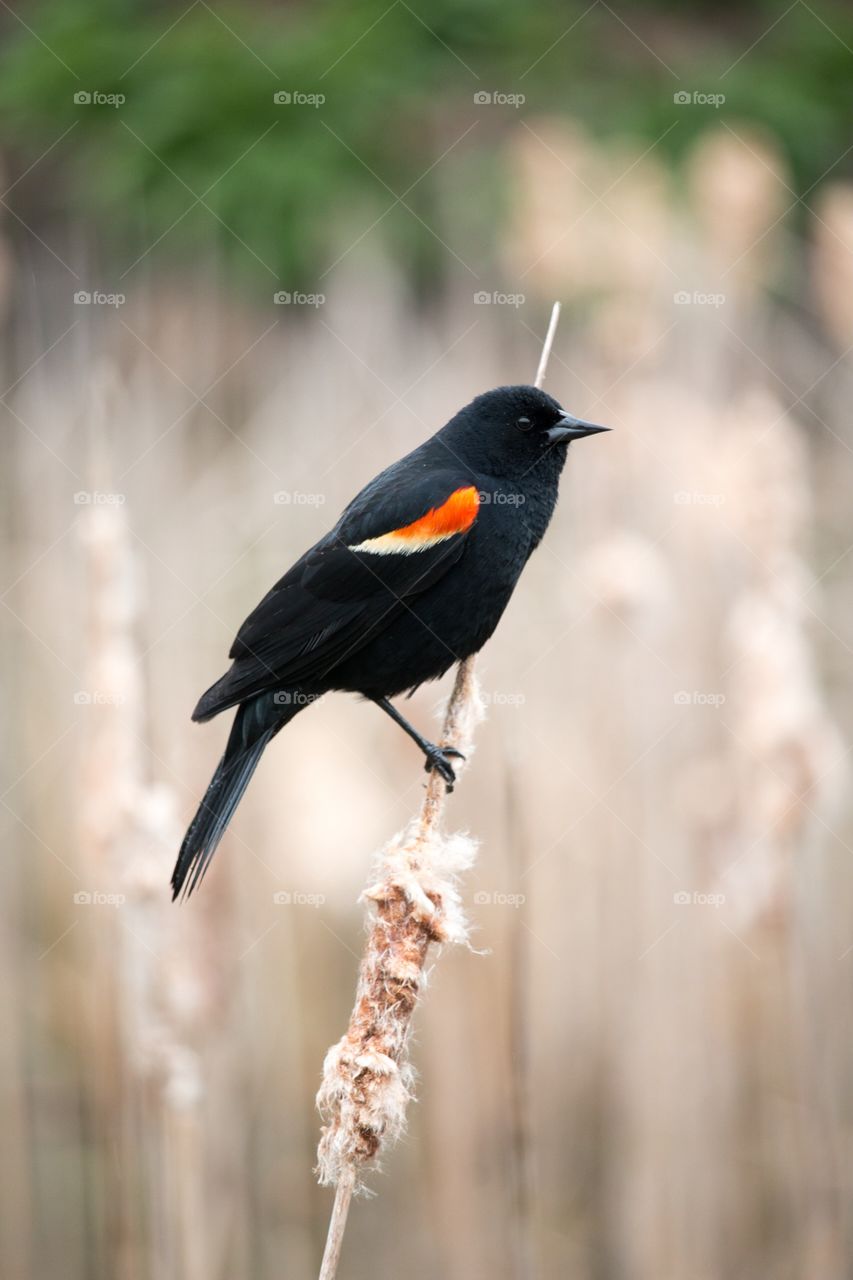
<point>289,183</point>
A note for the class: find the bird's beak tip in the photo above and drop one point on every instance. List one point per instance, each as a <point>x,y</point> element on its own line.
<point>568,429</point>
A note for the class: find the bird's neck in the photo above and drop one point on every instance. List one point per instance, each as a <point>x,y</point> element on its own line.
<point>540,499</point>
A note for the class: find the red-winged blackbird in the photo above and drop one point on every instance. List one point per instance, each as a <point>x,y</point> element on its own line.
<point>413,577</point>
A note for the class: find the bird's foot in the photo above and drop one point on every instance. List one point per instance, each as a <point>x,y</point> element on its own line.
<point>438,758</point>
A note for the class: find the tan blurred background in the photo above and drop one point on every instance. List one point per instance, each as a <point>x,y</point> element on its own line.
<point>644,1068</point>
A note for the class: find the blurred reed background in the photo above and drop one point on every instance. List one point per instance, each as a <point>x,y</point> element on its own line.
<point>645,1071</point>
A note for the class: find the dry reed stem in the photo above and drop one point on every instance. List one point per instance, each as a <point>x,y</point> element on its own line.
<point>129,827</point>
<point>367,1077</point>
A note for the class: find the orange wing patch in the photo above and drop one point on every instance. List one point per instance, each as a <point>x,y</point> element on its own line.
<point>454,516</point>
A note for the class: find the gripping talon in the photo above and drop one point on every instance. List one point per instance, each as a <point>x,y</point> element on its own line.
<point>436,758</point>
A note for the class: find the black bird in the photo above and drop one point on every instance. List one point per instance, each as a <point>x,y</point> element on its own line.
<point>413,577</point>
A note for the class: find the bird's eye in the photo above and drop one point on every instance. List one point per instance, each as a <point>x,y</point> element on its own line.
<point>523,424</point>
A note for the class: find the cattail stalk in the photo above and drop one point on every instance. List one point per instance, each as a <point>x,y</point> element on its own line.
<point>129,827</point>
<point>367,1076</point>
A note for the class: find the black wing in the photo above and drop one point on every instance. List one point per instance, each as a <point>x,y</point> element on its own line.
<point>394,541</point>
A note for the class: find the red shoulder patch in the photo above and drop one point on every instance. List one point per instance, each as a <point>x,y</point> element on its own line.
<point>456,514</point>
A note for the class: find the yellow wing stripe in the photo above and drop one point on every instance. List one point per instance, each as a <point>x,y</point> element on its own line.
<point>454,516</point>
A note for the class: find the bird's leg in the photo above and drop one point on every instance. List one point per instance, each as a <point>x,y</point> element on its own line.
<point>436,757</point>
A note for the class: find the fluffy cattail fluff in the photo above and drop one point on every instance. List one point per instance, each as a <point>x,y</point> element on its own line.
<point>367,1077</point>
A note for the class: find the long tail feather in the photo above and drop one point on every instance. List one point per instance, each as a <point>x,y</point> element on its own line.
<point>252,730</point>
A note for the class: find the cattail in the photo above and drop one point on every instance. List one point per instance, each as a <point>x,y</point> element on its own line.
<point>129,827</point>
<point>367,1076</point>
<point>574,202</point>
<point>738,187</point>
<point>785,742</point>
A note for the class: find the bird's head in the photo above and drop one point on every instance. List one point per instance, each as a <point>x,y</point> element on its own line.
<point>510,430</point>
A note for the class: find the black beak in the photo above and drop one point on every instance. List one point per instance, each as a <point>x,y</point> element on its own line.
<point>569,428</point>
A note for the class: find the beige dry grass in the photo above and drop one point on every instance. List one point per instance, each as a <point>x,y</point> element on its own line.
<point>687,1064</point>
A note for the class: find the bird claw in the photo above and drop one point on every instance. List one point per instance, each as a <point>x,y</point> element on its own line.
<point>437,758</point>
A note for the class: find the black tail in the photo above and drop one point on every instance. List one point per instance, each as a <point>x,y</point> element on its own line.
<point>256,723</point>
